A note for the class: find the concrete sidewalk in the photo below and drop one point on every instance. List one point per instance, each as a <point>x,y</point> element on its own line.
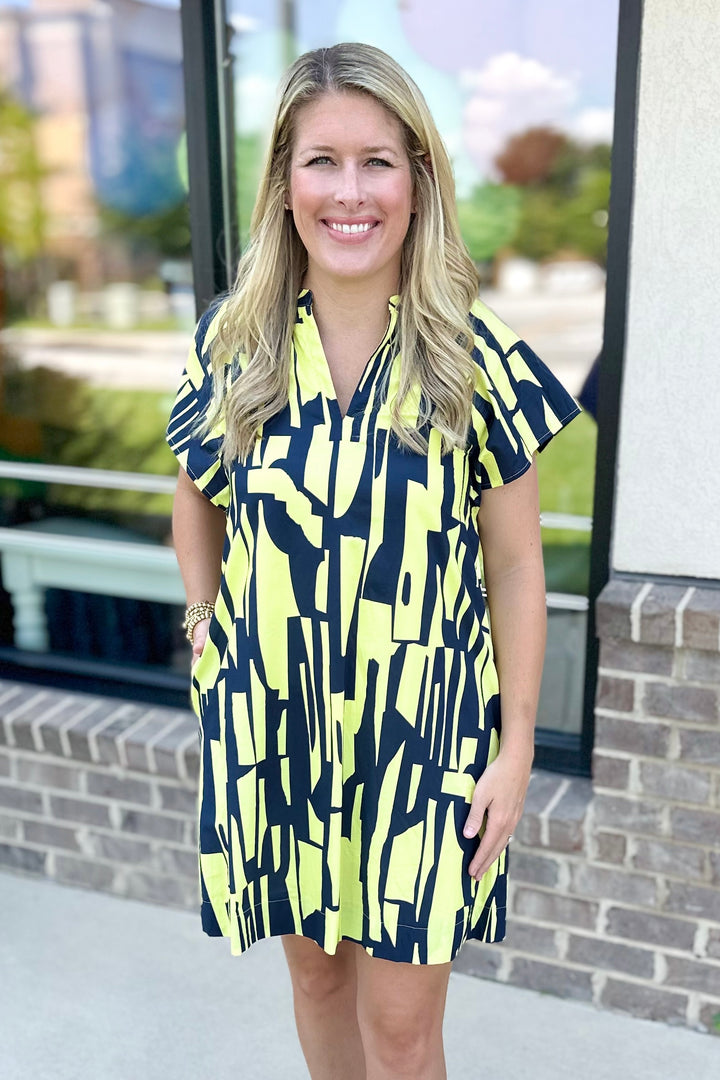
<point>97,988</point>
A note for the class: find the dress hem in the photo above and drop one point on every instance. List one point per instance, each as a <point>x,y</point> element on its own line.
<point>479,932</point>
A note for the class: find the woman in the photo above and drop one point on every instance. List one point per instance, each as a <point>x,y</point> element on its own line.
<point>347,427</point>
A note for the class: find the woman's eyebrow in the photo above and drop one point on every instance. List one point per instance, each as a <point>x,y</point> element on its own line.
<point>363,149</point>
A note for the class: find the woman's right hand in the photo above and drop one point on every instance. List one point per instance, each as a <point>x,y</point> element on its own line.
<point>200,633</point>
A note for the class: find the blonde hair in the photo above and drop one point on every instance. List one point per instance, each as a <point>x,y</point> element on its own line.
<point>438,280</point>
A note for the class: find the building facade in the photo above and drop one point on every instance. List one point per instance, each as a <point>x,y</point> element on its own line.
<point>615,894</point>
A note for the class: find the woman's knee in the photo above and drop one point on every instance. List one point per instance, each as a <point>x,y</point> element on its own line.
<point>314,973</point>
<point>400,1013</point>
<point>402,1044</point>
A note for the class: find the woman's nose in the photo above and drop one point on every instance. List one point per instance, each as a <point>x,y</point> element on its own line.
<point>349,188</point>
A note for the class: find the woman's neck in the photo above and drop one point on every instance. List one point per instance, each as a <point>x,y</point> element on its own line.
<point>340,305</point>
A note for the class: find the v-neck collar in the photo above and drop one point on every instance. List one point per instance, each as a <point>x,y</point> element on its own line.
<point>313,349</point>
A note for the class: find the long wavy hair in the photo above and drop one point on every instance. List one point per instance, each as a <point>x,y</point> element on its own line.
<point>438,280</point>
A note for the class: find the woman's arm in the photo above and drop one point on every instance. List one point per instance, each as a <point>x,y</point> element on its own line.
<point>509,523</point>
<point>198,529</point>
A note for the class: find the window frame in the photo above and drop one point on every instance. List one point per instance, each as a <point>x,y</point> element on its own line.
<point>622,191</point>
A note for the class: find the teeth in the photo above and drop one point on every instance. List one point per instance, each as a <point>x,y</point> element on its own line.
<point>349,228</point>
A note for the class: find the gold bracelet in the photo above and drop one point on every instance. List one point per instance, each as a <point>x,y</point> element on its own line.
<point>194,614</point>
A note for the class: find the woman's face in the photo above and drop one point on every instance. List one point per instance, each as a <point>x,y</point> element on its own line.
<point>351,190</point>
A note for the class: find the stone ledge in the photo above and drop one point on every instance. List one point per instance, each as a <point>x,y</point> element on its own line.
<point>100,731</point>
<point>659,615</point>
<point>555,812</point>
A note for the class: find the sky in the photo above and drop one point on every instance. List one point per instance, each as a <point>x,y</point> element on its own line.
<point>488,68</point>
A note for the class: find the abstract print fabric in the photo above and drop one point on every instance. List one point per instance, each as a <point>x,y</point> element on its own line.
<point>347,695</point>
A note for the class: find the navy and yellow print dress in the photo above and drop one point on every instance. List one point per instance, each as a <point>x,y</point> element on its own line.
<point>347,696</point>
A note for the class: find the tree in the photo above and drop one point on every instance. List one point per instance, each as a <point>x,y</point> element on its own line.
<point>22,220</point>
<point>248,166</point>
<point>565,189</point>
<point>529,158</point>
<point>165,233</point>
<point>22,217</point>
<point>585,218</point>
<point>489,219</point>
<point>539,233</point>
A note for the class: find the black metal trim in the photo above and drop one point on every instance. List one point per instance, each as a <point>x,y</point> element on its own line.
<point>207,75</point>
<point>622,189</point>
<point>133,682</point>
<point>558,751</point>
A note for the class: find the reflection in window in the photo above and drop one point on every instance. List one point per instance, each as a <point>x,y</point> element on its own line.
<point>96,305</point>
<point>523,95</point>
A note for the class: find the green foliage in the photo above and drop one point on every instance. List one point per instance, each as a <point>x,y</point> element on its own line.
<point>572,162</point>
<point>165,233</point>
<point>550,221</point>
<point>566,471</point>
<point>584,212</point>
<point>567,566</point>
<point>22,218</point>
<point>118,429</point>
<point>539,232</point>
<point>566,210</point>
<point>96,427</point>
<point>248,164</point>
<point>90,426</point>
<point>489,219</point>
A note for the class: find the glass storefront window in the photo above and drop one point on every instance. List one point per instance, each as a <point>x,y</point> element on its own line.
<point>523,95</point>
<point>96,305</point>
<point>96,284</point>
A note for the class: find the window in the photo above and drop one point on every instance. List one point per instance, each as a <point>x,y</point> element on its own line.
<point>523,94</point>
<point>97,303</point>
<point>105,176</point>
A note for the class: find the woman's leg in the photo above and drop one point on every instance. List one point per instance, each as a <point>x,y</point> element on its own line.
<point>324,993</point>
<point>400,1009</point>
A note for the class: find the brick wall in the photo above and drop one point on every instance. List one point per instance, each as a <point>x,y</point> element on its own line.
<point>99,792</point>
<point>615,882</point>
<point>615,894</point>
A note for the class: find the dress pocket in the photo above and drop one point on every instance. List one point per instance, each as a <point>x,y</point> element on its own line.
<point>203,666</point>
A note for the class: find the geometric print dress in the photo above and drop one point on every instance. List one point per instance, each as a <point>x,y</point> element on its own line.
<point>347,696</point>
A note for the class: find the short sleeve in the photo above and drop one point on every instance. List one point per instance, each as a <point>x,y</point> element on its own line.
<point>518,404</point>
<point>200,456</point>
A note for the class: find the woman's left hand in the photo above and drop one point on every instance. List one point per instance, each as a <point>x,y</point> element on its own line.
<point>499,794</point>
<point>200,633</point>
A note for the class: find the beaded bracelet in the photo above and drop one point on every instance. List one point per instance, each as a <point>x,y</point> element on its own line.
<point>194,614</point>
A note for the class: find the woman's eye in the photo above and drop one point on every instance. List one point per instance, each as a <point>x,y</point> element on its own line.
<point>321,159</point>
<point>379,161</point>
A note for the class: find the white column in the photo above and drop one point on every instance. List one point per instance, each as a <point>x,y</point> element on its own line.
<point>667,517</point>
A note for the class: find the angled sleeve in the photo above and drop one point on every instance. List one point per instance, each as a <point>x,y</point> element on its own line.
<point>200,456</point>
<point>518,404</point>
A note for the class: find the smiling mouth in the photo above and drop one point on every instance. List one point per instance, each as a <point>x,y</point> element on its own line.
<point>351,230</point>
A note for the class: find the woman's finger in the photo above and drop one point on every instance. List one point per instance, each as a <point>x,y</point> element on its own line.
<point>486,855</point>
<point>477,811</point>
<point>493,841</point>
<point>200,634</point>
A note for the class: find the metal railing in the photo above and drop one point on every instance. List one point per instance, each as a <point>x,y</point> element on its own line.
<point>79,477</point>
<point>35,561</point>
